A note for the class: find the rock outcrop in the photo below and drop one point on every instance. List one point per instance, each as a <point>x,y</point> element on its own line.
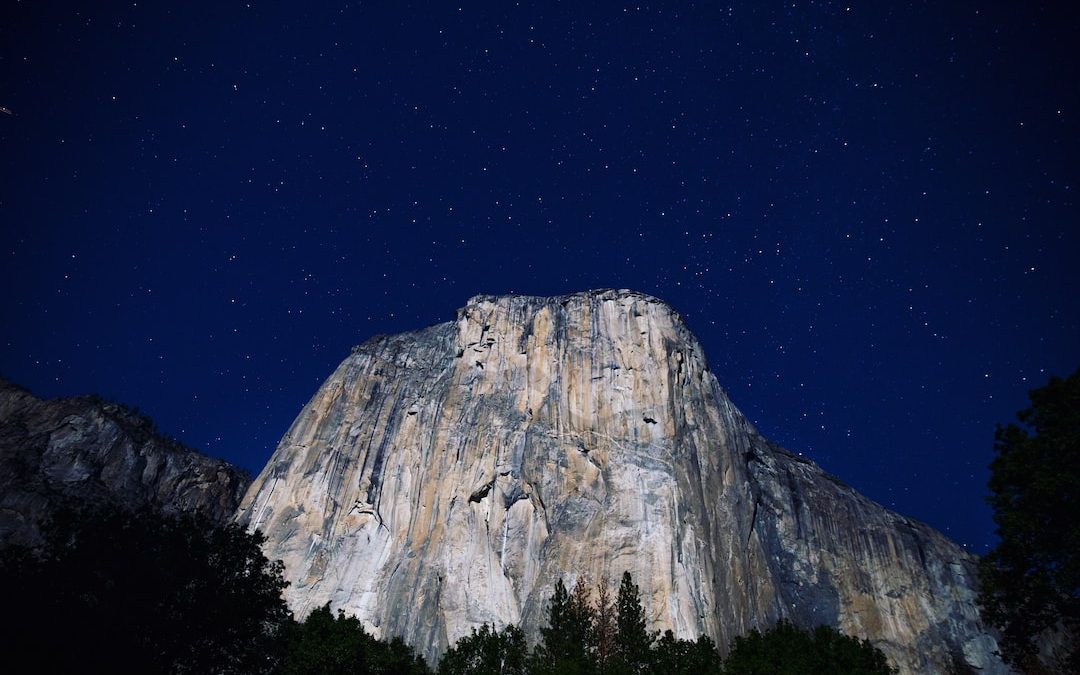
<point>90,450</point>
<point>446,477</point>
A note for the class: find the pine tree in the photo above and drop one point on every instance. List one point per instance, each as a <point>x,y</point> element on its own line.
<point>604,613</point>
<point>583,619</point>
<point>553,636</point>
<point>565,646</point>
<point>632,640</point>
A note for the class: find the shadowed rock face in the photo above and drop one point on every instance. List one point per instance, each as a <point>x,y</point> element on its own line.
<point>94,451</point>
<point>447,477</point>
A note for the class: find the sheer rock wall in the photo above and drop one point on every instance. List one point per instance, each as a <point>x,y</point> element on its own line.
<point>444,478</point>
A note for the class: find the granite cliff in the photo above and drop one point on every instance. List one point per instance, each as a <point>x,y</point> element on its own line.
<point>446,477</point>
<point>90,450</point>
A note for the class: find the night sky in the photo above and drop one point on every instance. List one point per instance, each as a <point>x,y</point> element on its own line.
<point>867,214</point>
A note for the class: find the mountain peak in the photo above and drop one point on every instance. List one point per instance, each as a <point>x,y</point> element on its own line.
<point>622,296</point>
<point>445,478</point>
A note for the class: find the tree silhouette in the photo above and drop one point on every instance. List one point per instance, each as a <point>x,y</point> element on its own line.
<point>604,629</point>
<point>487,652</point>
<point>159,594</point>
<point>633,641</point>
<point>1030,582</point>
<point>671,655</point>
<point>324,644</point>
<point>788,650</point>
<point>566,643</point>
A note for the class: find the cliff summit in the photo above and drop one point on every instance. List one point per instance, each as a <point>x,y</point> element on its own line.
<point>444,478</point>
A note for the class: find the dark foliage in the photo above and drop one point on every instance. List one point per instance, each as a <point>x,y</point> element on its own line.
<point>787,650</point>
<point>327,645</point>
<point>1030,583</point>
<point>610,637</point>
<point>604,630</point>
<point>113,590</point>
<point>144,592</point>
<point>571,644</point>
<point>487,652</point>
<point>567,642</point>
<point>698,657</point>
<point>633,641</point>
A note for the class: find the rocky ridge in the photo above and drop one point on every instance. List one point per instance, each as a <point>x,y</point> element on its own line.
<point>90,450</point>
<point>446,477</point>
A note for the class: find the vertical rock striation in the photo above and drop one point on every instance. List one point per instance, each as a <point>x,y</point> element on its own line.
<point>87,449</point>
<point>446,477</point>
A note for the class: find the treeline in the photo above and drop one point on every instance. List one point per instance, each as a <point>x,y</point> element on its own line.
<point>114,591</point>
<point>591,633</point>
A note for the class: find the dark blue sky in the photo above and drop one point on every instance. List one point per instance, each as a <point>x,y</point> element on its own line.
<point>866,213</point>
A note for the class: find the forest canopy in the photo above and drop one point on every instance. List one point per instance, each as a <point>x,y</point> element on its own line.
<point>181,594</point>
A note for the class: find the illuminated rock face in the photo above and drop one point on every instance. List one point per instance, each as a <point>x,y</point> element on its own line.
<point>447,477</point>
